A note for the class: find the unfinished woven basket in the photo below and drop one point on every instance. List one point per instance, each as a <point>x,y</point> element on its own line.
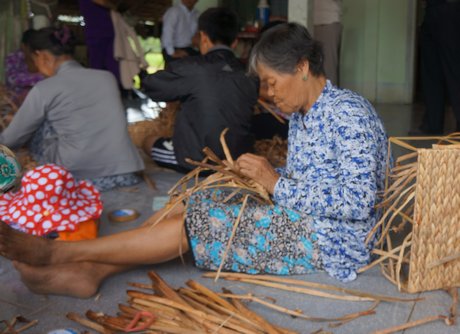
<point>138,131</point>
<point>162,126</point>
<point>419,244</point>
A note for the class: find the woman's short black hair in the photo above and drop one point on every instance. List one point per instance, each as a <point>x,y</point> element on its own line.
<point>57,41</point>
<point>220,24</point>
<point>27,35</point>
<point>285,46</point>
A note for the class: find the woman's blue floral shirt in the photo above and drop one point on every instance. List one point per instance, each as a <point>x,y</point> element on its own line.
<point>336,163</point>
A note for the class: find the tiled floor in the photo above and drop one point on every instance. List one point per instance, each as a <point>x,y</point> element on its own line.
<point>50,310</point>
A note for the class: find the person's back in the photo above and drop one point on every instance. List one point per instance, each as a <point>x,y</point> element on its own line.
<point>222,96</point>
<point>84,109</point>
<point>214,91</point>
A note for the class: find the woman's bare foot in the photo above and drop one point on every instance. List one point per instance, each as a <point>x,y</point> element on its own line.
<point>22,247</point>
<point>79,280</point>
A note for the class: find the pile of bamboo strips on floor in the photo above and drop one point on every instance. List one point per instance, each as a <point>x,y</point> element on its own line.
<point>335,293</point>
<point>420,207</point>
<point>197,309</point>
<point>192,310</point>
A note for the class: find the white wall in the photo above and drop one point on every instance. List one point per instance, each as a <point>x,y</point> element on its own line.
<point>300,11</point>
<point>378,49</point>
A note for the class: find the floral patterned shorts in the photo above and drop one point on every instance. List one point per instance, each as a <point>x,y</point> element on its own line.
<point>269,239</point>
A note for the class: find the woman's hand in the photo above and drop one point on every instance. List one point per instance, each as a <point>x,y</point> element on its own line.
<point>258,169</point>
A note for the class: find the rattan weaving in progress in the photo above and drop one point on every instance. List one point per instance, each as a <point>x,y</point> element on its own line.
<point>419,232</point>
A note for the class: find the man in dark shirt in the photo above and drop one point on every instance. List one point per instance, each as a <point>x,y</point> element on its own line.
<point>214,91</point>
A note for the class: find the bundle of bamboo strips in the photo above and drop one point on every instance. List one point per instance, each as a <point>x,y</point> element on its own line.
<point>192,310</point>
<point>162,126</point>
<point>275,150</point>
<point>226,175</point>
<point>420,208</point>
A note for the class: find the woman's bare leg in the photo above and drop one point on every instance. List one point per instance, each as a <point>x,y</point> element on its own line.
<point>165,213</point>
<point>144,245</point>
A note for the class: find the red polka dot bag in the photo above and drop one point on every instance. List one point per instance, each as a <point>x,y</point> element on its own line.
<point>50,200</point>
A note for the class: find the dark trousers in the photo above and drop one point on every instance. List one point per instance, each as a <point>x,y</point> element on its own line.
<point>440,64</point>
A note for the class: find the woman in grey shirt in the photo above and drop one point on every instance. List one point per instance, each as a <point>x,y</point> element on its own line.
<point>75,117</point>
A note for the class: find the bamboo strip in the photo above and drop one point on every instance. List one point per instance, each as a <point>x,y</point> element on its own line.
<point>163,289</point>
<point>453,310</point>
<point>88,323</point>
<point>227,153</point>
<point>249,324</point>
<point>270,109</point>
<point>444,260</point>
<point>27,326</point>
<point>385,215</point>
<point>406,243</point>
<point>296,313</point>
<point>406,157</point>
<point>111,323</point>
<point>229,243</point>
<point>410,324</point>
<point>306,291</point>
<point>196,304</point>
<point>370,311</point>
<point>268,327</point>
<point>389,254</point>
<point>403,144</point>
<point>366,296</point>
<point>211,295</point>
<point>410,197</point>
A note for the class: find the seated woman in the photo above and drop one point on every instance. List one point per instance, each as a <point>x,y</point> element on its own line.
<point>324,198</point>
<point>75,117</point>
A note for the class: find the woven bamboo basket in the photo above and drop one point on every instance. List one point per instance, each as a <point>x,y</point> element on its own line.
<point>419,233</point>
<point>162,126</point>
<point>138,131</point>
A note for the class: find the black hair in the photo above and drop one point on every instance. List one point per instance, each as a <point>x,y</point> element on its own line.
<point>27,36</point>
<point>220,24</point>
<point>285,46</point>
<point>57,41</point>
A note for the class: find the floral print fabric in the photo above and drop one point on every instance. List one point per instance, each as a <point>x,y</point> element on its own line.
<point>268,239</point>
<point>335,167</point>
